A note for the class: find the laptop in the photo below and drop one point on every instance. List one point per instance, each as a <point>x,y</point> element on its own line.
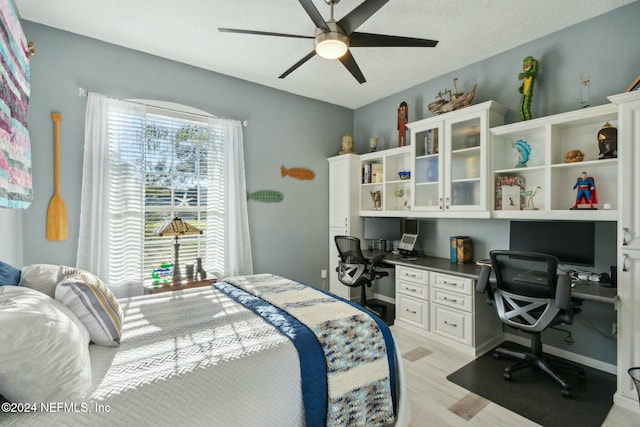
<point>408,242</point>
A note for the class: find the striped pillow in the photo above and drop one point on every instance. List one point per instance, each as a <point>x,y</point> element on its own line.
<point>93,303</point>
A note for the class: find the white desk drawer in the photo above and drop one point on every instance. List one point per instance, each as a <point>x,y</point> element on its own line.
<point>412,289</point>
<point>412,274</point>
<point>452,299</point>
<point>413,310</point>
<point>452,283</point>
<point>450,323</point>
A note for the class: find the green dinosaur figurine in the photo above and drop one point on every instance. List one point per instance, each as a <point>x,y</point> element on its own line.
<point>530,67</point>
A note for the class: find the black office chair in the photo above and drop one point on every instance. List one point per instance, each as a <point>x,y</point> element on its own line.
<point>530,297</point>
<point>355,270</point>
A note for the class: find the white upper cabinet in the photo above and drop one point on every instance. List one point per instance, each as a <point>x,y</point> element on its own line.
<point>449,155</point>
<point>385,189</point>
<point>536,166</point>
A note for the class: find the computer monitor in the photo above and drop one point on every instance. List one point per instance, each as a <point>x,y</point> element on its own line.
<point>572,242</point>
<point>381,228</point>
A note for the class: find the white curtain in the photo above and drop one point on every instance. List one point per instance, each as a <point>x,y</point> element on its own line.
<point>95,205</point>
<point>98,211</point>
<point>236,220</point>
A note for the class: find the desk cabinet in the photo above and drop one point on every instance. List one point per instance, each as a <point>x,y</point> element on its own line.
<point>452,307</point>
<point>412,297</point>
<point>444,307</point>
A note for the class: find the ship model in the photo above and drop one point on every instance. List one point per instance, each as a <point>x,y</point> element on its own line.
<point>456,100</point>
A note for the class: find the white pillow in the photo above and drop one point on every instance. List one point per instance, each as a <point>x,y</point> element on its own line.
<point>93,303</point>
<point>41,277</point>
<point>44,349</point>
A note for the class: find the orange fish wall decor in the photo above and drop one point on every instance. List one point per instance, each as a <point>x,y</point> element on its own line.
<point>297,173</point>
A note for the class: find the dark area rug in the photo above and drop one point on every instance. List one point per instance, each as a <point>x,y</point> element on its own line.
<point>536,396</point>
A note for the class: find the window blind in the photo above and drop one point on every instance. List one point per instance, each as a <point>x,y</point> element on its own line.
<point>163,164</point>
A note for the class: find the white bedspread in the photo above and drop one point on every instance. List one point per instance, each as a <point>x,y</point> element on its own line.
<point>191,357</point>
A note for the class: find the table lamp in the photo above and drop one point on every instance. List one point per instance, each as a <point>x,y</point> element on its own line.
<point>176,227</point>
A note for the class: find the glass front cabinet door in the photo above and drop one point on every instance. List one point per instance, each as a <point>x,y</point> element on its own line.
<point>450,155</point>
<point>428,167</point>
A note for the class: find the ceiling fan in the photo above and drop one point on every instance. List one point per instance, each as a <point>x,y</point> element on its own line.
<point>333,39</point>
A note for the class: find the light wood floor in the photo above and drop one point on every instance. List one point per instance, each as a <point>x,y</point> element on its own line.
<point>437,402</point>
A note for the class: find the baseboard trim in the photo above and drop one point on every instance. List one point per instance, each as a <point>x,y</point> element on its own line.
<point>626,402</point>
<point>574,357</point>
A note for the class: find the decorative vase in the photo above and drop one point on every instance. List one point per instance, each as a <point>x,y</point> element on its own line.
<point>373,144</point>
<point>523,150</point>
<point>190,271</point>
<point>399,194</point>
<point>200,271</point>
<point>376,196</point>
<point>608,142</point>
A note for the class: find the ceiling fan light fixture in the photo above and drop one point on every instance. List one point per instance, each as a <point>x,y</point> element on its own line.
<point>331,45</point>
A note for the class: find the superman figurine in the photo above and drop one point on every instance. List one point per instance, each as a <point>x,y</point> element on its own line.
<point>586,186</point>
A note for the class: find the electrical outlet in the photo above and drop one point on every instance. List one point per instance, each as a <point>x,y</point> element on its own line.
<point>323,274</point>
<point>614,328</point>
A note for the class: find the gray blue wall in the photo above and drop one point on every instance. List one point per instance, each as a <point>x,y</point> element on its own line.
<point>605,47</point>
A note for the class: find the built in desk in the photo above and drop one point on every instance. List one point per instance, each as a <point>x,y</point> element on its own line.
<point>582,289</point>
<point>437,298</point>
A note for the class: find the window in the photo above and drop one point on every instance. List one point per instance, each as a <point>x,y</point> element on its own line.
<point>163,164</point>
<point>143,164</point>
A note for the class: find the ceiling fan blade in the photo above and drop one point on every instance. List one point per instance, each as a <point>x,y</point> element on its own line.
<point>262,33</point>
<point>381,40</point>
<point>297,64</point>
<point>357,16</point>
<point>313,13</point>
<point>351,65</point>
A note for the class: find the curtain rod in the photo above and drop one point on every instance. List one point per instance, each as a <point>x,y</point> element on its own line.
<point>84,92</point>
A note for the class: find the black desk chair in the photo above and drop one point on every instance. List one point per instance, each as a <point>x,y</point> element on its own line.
<point>530,297</point>
<point>355,270</point>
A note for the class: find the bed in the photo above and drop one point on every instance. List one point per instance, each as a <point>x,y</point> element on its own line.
<point>257,350</point>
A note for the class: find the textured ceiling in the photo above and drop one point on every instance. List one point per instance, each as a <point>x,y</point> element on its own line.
<point>186,31</point>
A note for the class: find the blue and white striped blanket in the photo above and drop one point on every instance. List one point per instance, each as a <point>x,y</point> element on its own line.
<point>346,356</point>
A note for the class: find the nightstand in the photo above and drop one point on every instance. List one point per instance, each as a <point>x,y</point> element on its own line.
<point>156,288</point>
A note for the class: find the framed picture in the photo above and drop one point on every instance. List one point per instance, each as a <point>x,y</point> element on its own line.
<point>511,197</point>
<point>509,192</point>
<point>635,85</point>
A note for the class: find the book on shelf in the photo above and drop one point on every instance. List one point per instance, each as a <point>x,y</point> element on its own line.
<point>366,173</point>
<point>509,192</point>
<point>376,172</point>
<point>434,141</point>
<point>431,142</point>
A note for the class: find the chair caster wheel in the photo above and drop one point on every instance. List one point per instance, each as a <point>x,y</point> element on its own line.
<point>496,355</point>
<point>566,392</point>
<point>506,376</point>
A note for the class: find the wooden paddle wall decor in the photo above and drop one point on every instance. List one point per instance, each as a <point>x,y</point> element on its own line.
<point>57,223</point>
